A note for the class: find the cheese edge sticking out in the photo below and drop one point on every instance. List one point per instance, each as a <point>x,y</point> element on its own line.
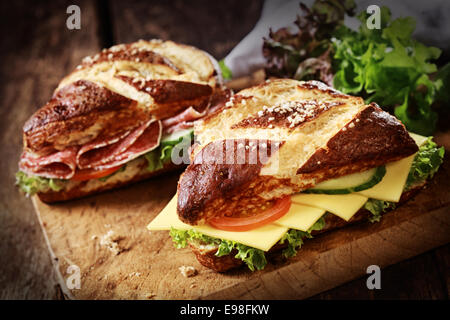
<point>305,210</point>
<point>262,238</point>
<point>391,186</point>
<point>343,205</point>
<point>420,140</point>
<point>300,217</point>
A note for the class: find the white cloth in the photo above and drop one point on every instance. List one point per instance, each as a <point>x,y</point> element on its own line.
<point>432,27</point>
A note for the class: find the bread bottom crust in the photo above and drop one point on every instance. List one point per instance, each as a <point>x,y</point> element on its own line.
<point>78,192</point>
<point>228,262</point>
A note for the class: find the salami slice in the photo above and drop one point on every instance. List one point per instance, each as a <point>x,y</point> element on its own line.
<point>59,165</point>
<point>187,118</point>
<point>137,142</point>
<point>179,126</point>
<point>187,115</point>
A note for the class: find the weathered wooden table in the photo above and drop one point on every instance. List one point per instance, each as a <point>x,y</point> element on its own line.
<point>37,50</point>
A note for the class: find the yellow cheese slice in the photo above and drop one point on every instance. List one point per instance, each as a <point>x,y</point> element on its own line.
<point>342,205</point>
<point>261,238</point>
<point>300,217</point>
<point>418,138</point>
<point>391,186</point>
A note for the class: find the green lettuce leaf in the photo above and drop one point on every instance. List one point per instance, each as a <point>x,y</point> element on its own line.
<point>181,238</point>
<point>34,184</point>
<point>154,161</point>
<point>254,258</point>
<point>226,72</point>
<point>390,68</point>
<point>294,238</point>
<point>158,157</point>
<point>305,53</point>
<point>442,82</point>
<point>377,208</point>
<point>426,163</point>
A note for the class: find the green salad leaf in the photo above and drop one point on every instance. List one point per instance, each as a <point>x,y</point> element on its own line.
<point>426,163</point>
<point>33,184</point>
<point>158,157</point>
<point>442,81</point>
<point>254,258</point>
<point>306,53</point>
<point>377,208</point>
<point>181,238</point>
<point>389,67</point>
<point>226,72</point>
<point>294,238</point>
<point>386,65</point>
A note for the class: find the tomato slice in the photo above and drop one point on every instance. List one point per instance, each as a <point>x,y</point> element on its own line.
<point>279,209</point>
<point>88,174</point>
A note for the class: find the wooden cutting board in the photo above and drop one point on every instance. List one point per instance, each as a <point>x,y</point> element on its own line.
<point>147,266</point>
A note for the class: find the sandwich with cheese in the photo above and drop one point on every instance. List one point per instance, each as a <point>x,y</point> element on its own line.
<point>285,160</point>
<point>116,119</point>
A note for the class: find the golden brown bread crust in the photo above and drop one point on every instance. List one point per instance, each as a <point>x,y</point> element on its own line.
<point>325,134</point>
<point>170,91</point>
<point>78,192</point>
<point>282,86</point>
<point>209,259</point>
<point>211,176</point>
<point>119,89</point>
<point>116,92</point>
<point>126,52</point>
<point>173,96</point>
<point>75,108</point>
<point>385,140</point>
<point>270,118</point>
<point>228,262</point>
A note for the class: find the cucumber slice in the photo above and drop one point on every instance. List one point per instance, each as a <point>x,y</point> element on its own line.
<point>350,183</point>
<point>177,137</point>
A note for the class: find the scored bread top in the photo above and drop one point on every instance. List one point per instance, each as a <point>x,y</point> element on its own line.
<point>120,88</point>
<point>323,134</point>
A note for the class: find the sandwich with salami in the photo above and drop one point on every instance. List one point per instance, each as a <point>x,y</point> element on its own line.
<point>116,119</point>
<point>285,160</point>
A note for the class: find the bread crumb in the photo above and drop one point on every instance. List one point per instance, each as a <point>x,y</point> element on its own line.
<point>111,241</point>
<point>134,274</point>
<point>187,271</point>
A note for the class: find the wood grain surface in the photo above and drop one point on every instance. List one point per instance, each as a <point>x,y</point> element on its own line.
<point>147,265</point>
<point>37,50</point>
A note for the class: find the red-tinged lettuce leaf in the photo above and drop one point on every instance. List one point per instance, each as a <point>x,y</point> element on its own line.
<point>385,65</point>
<point>306,54</point>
